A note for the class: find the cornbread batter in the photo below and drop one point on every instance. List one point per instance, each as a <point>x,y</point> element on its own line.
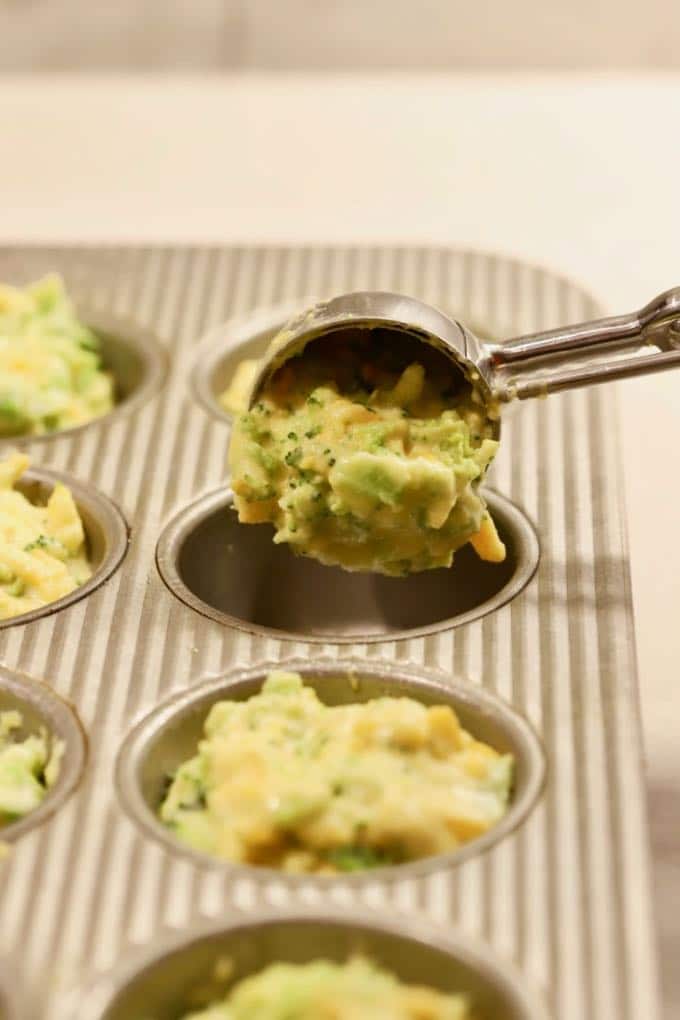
<point>284,781</point>
<point>28,768</point>
<point>42,548</point>
<point>51,376</point>
<point>356,990</point>
<point>234,399</point>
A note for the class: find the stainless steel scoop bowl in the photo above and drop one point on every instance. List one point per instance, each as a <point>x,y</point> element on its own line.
<point>526,366</point>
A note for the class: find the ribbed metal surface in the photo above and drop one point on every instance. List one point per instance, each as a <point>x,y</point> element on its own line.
<point>567,895</point>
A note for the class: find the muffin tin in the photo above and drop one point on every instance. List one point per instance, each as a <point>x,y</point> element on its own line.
<point>96,902</point>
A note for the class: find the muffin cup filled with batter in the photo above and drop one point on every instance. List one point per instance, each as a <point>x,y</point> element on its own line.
<point>337,769</point>
<point>42,753</point>
<point>421,967</point>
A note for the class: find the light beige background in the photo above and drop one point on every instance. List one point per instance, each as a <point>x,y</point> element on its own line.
<point>320,34</point>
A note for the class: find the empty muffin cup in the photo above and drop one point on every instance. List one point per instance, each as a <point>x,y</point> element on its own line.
<point>236,575</point>
<point>169,735</point>
<point>106,534</point>
<point>185,975</point>
<point>42,709</point>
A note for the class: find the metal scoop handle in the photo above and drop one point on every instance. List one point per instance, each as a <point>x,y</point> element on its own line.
<point>588,353</point>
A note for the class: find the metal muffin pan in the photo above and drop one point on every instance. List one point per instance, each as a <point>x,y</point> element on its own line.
<point>234,574</point>
<point>170,734</point>
<point>565,893</point>
<point>163,986</point>
<point>41,708</point>
<point>106,534</point>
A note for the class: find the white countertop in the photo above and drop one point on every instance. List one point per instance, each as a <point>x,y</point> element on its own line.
<point>577,172</point>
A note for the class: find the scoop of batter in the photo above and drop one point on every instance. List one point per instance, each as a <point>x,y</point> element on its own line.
<point>362,461</point>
